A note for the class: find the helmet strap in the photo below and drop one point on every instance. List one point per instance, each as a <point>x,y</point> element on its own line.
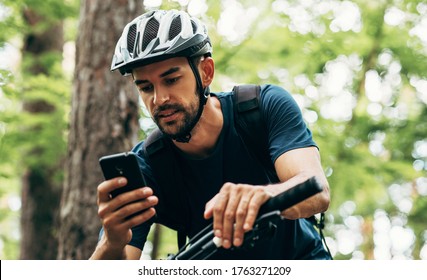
<point>204,92</point>
<point>183,139</point>
<point>203,97</point>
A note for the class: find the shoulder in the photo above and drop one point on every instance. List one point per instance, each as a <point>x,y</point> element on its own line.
<point>276,96</point>
<point>276,100</point>
<point>222,95</point>
<point>139,150</point>
<point>271,97</point>
<point>225,99</point>
<point>273,93</point>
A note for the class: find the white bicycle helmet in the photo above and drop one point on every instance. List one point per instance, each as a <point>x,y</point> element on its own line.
<point>159,35</point>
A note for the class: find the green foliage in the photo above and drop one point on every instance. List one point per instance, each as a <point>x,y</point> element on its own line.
<point>53,9</point>
<point>362,156</point>
<point>34,108</point>
<point>13,24</point>
<point>46,130</point>
<point>10,247</point>
<point>168,241</point>
<point>36,141</point>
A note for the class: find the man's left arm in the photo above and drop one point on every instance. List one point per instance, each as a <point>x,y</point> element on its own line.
<point>236,206</point>
<point>294,167</point>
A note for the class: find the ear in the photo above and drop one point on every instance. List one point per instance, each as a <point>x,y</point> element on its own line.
<point>207,70</point>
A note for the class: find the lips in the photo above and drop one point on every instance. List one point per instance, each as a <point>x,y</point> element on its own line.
<point>167,113</point>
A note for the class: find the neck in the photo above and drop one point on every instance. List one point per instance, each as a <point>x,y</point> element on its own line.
<point>205,134</point>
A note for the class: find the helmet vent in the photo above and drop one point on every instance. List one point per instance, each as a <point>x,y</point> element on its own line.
<point>131,38</point>
<point>194,25</point>
<point>150,32</point>
<point>175,28</point>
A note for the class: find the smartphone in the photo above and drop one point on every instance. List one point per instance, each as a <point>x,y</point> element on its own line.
<point>123,165</point>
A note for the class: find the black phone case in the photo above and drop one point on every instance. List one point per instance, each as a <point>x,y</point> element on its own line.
<point>123,165</point>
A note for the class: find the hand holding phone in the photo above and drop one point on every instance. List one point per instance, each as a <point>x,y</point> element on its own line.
<point>138,208</point>
<point>123,165</point>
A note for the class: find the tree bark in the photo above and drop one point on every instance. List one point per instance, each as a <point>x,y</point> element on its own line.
<point>157,233</point>
<point>104,120</point>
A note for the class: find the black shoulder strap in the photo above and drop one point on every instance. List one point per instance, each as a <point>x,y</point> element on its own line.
<point>251,126</point>
<point>160,155</point>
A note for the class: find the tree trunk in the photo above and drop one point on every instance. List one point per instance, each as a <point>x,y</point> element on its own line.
<point>157,233</point>
<point>104,120</point>
<point>41,191</point>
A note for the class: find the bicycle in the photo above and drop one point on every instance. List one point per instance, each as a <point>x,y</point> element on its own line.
<point>203,245</point>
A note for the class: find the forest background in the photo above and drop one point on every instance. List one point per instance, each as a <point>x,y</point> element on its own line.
<point>358,70</point>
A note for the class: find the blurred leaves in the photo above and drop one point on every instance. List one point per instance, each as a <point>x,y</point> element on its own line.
<point>368,156</point>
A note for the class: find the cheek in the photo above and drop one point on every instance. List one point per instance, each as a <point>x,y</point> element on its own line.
<point>148,102</point>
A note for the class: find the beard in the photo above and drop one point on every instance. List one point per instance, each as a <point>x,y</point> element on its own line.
<point>181,126</point>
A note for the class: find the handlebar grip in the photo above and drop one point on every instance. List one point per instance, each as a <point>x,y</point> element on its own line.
<point>292,196</point>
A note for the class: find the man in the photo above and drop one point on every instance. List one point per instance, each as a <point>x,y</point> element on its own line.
<point>168,54</point>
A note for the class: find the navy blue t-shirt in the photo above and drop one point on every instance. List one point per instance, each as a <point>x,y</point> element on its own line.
<point>231,162</point>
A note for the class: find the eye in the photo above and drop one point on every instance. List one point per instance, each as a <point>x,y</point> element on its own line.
<point>171,81</point>
<point>146,89</point>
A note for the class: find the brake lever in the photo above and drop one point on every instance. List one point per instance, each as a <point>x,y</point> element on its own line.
<point>264,227</point>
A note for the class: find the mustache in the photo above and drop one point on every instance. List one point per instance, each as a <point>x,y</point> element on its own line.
<point>160,109</point>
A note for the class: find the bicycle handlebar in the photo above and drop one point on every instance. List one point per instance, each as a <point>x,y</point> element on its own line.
<point>291,196</point>
<point>206,245</point>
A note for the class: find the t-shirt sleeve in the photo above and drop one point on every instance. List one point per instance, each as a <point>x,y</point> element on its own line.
<point>139,235</point>
<point>286,127</point>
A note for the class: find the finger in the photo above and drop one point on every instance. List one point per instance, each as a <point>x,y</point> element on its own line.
<point>136,207</point>
<point>229,218</point>
<point>106,187</point>
<point>241,213</point>
<point>131,196</point>
<point>120,220</point>
<point>219,207</point>
<point>209,207</point>
<point>116,203</point>
<point>260,197</point>
<point>141,217</point>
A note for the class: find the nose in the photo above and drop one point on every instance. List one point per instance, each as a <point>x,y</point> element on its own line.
<point>161,96</point>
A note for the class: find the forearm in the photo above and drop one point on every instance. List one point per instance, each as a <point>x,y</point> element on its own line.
<point>307,208</point>
<point>294,167</point>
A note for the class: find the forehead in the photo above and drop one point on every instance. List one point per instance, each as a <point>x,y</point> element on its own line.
<point>158,68</point>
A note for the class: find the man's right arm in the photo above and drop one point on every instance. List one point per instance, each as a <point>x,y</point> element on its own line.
<point>118,216</point>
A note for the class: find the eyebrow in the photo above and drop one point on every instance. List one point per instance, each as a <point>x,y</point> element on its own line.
<point>164,74</point>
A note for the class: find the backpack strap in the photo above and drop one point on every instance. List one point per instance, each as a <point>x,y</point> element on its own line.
<point>251,127</point>
<point>161,156</point>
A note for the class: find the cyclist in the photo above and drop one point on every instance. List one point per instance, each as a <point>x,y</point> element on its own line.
<point>168,54</point>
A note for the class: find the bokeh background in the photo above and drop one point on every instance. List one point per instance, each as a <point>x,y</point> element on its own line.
<point>358,70</point>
